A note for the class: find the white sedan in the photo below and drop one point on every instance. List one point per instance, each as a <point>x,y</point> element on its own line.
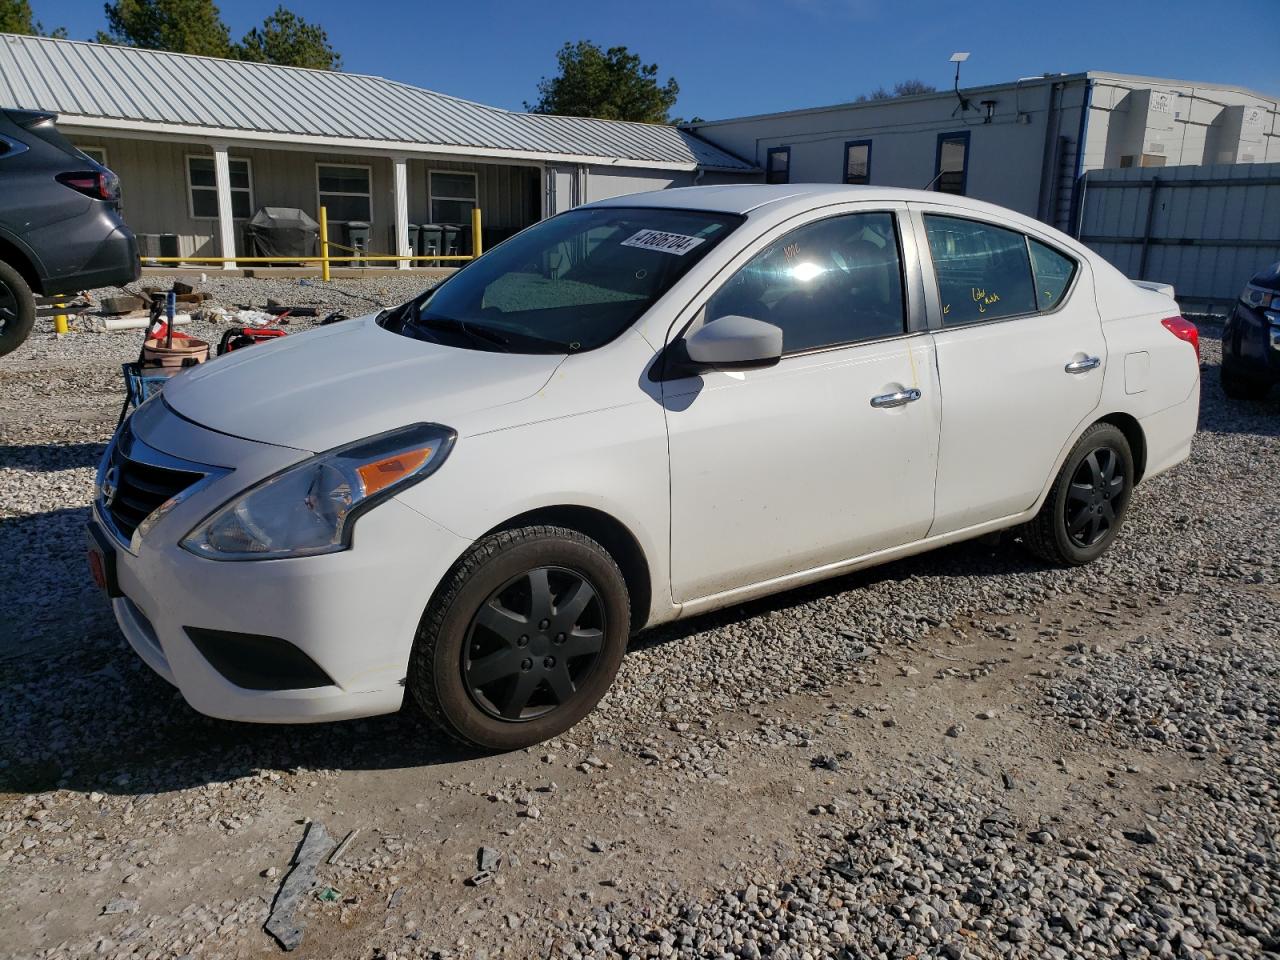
<point>639,410</point>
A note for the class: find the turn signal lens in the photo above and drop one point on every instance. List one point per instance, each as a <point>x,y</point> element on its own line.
<point>383,473</point>
<point>1183,329</point>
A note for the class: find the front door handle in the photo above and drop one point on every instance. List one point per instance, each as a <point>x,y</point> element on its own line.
<point>1082,366</point>
<point>899,399</point>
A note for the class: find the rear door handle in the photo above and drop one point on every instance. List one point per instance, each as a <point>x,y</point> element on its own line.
<point>1082,366</point>
<point>899,399</point>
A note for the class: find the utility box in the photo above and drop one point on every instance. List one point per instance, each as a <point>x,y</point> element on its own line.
<point>1238,135</point>
<point>1149,134</point>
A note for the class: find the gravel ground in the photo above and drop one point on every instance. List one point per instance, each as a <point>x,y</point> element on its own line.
<point>962,754</point>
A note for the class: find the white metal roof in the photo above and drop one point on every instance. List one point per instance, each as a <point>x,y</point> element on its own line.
<point>150,90</point>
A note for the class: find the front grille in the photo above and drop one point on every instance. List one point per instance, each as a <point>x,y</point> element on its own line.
<point>132,488</point>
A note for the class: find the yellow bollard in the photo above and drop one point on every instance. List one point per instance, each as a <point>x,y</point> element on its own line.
<point>324,244</point>
<point>476,244</point>
<point>60,324</point>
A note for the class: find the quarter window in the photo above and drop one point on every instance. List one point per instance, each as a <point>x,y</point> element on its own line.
<point>984,272</point>
<point>345,191</point>
<point>951,166</point>
<point>453,196</point>
<point>857,161</point>
<point>1053,273</point>
<point>203,188</point>
<point>832,282</point>
<point>778,167</point>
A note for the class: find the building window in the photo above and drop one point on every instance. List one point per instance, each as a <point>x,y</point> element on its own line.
<point>96,154</point>
<point>346,191</point>
<point>951,167</point>
<point>453,196</point>
<point>857,161</point>
<point>778,165</point>
<point>202,188</point>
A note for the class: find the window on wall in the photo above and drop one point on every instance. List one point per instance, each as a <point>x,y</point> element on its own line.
<point>984,271</point>
<point>96,154</point>
<point>203,188</point>
<point>346,191</point>
<point>951,168</point>
<point>453,196</point>
<point>778,165</point>
<point>831,282</point>
<point>857,161</point>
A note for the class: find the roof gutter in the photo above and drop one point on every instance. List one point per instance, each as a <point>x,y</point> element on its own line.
<point>302,142</point>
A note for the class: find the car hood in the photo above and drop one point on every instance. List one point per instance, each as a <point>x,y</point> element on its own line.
<point>346,381</point>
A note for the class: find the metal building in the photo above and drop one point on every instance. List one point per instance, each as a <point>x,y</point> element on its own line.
<point>201,143</point>
<point>1024,145</point>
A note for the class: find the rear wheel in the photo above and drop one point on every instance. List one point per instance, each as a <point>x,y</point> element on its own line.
<point>17,309</point>
<point>522,639</point>
<point>1086,506</point>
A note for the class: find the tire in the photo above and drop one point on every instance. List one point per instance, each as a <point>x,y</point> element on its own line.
<point>17,309</point>
<point>1086,507</point>
<point>1238,386</point>
<point>491,664</point>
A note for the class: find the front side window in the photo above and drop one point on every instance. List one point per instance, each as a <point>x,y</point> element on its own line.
<point>827,283</point>
<point>778,166</point>
<point>567,284</point>
<point>857,161</point>
<point>345,191</point>
<point>951,166</point>
<point>453,196</point>
<point>984,271</point>
<point>203,188</point>
<point>1053,272</point>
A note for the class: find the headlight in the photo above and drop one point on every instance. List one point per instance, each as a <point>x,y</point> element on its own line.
<point>310,508</point>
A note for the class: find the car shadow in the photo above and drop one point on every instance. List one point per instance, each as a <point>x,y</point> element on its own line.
<point>51,457</point>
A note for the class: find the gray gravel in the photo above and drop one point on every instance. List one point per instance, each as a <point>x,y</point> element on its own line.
<point>965,754</point>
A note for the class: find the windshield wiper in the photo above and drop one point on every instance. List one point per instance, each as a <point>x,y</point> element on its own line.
<point>475,333</point>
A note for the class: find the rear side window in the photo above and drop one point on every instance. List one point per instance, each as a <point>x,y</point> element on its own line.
<point>827,283</point>
<point>984,271</point>
<point>1053,273</point>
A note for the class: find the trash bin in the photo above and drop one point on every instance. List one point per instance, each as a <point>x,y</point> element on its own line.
<point>414,233</point>
<point>356,234</point>
<point>430,239</point>
<point>449,244</point>
<point>169,245</point>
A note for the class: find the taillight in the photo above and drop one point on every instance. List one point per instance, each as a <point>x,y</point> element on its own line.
<point>1183,329</point>
<point>99,184</point>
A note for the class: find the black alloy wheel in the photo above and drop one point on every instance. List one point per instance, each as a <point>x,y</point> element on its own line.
<point>533,643</point>
<point>1095,498</point>
<point>1086,505</point>
<point>521,639</point>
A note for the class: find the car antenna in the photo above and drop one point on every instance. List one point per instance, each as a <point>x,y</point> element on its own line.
<point>936,178</point>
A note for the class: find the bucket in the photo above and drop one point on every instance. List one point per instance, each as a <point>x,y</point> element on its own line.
<point>185,352</point>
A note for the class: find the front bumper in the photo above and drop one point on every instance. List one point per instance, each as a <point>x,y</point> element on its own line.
<point>1252,336</point>
<point>353,613</point>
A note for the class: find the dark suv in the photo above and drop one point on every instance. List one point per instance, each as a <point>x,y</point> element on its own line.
<point>60,225</point>
<point>1251,339</point>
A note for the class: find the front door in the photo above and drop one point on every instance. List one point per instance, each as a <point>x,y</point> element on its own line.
<point>831,453</point>
<point>1021,356</point>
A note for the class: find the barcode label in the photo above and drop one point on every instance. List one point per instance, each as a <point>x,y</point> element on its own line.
<point>659,240</point>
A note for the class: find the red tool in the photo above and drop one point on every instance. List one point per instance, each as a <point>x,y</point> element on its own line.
<point>239,337</point>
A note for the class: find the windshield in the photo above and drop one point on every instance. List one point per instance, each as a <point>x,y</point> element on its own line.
<point>570,283</point>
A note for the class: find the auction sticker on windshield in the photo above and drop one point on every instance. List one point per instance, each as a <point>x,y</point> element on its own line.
<point>677,243</point>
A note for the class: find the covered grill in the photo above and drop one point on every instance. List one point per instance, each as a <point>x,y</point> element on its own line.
<point>282,232</point>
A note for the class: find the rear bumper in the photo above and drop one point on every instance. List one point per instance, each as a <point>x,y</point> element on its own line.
<point>112,264</point>
<point>1169,432</point>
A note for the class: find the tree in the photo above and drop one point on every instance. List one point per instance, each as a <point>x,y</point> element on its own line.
<point>287,38</point>
<point>182,26</point>
<point>16,17</point>
<point>906,88</point>
<point>608,84</point>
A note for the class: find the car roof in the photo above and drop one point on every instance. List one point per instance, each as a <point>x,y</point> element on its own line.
<point>742,198</point>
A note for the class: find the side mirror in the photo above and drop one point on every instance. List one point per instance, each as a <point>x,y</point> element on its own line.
<point>735,342</point>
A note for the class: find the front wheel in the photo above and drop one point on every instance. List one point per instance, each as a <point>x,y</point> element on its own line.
<point>1087,504</point>
<point>17,309</point>
<point>522,639</point>
<point>1238,385</point>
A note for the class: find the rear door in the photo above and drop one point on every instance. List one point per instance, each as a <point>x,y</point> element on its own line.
<point>1020,354</point>
<point>829,454</point>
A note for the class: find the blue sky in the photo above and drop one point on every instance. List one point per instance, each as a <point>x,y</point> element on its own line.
<point>734,57</point>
